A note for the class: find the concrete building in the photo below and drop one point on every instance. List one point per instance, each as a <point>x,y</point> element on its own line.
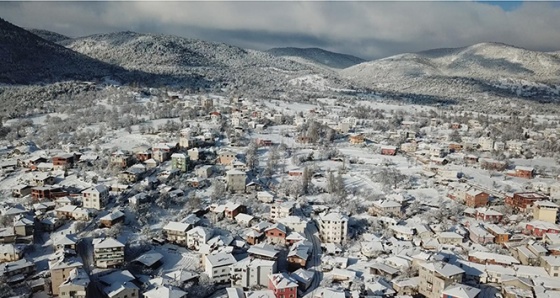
<point>283,285</point>
<point>108,252</point>
<point>60,268</point>
<point>333,227</point>
<point>217,266</point>
<point>436,277</point>
<point>198,236</point>
<point>95,197</point>
<point>281,210</point>
<point>179,161</point>
<point>385,208</point>
<point>251,272</point>
<point>177,232</point>
<point>551,264</point>
<point>236,180</point>
<point>545,211</point>
<point>75,286</point>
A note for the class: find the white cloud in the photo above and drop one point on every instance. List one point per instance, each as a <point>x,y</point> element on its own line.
<point>369,29</point>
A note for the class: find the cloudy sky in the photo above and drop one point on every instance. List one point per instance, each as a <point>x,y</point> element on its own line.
<point>367,29</point>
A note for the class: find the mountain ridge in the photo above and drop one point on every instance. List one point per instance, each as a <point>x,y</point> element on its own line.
<point>318,56</point>
<point>508,70</point>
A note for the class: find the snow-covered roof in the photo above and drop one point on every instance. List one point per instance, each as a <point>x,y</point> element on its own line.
<point>165,292</point>
<point>113,215</point>
<point>333,216</point>
<point>220,259</point>
<point>461,291</point>
<point>108,242</point>
<point>283,281</point>
<point>499,258</point>
<point>177,226</point>
<point>149,258</point>
<point>442,268</point>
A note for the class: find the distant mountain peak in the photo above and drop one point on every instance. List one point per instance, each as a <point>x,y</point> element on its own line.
<point>317,56</point>
<point>48,35</point>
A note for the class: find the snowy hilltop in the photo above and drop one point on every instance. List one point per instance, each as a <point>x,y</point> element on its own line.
<point>317,56</point>
<point>460,72</point>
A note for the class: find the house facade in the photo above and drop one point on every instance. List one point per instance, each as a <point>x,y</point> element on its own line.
<point>95,197</point>
<point>333,227</point>
<point>108,253</point>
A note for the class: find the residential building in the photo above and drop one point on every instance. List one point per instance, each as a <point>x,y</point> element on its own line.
<point>226,158</point>
<point>479,235</point>
<point>95,197</point>
<point>231,210</point>
<point>281,210</point>
<point>176,232</point>
<point>524,172</point>
<point>122,159</point>
<point>460,291</point>
<point>198,236</point>
<point>108,252</point>
<point>10,253</point>
<point>75,286</point>
<point>236,180</point>
<point>486,258</point>
<point>60,269</point>
<point>388,150</point>
<point>193,154</point>
<point>552,265</point>
<point>488,215</point>
<point>276,234</point>
<point>283,285</point>
<point>357,139</point>
<point>545,211</point>
<point>475,198</point>
<point>217,266</point>
<point>299,254</point>
<point>179,161</point>
<point>112,219</point>
<point>162,151</point>
<point>538,228</point>
<point>21,190</point>
<point>449,238</point>
<point>436,277</point>
<point>333,227</point>
<point>500,235</point>
<point>385,208</point>
<point>295,223</point>
<point>251,272</point>
<point>522,201</point>
<point>63,161</point>
<point>165,291</point>
<point>204,171</point>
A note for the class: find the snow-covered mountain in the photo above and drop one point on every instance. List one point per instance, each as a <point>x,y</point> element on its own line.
<point>27,58</point>
<point>317,56</point>
<point>464,72</point>
<point>167,54</point>
<point>49,35</point>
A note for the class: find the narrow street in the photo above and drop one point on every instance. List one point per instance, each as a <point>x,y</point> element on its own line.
<point>315,261</point>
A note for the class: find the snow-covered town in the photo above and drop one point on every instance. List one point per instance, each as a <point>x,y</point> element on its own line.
<point>244,197</point>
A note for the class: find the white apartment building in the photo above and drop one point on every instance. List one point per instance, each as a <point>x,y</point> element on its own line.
<point>281,210</point>
<point>217,266</point>
<point>385,208</point>
<point>251,272</point>
<point>95,197</point>
<point>198,236</point>
<point>436,277</point>
<point>108,252</point>
<point>333,227</point>
<point>177,232</point>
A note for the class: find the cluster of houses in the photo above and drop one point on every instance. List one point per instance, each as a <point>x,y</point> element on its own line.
<point>287,252</point>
